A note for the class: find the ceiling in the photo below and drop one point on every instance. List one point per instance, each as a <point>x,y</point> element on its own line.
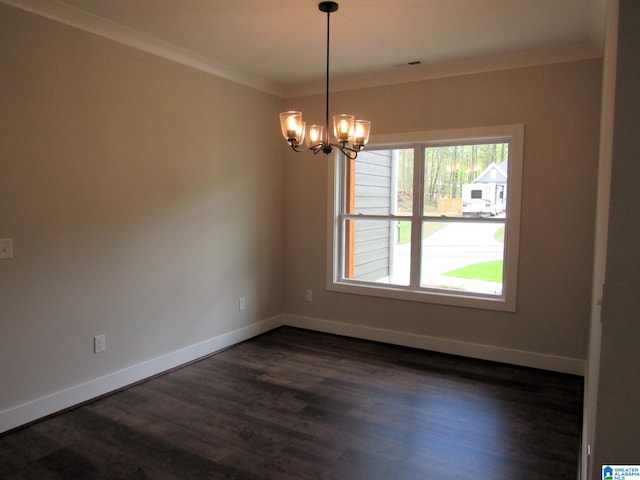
<point>279,46</point>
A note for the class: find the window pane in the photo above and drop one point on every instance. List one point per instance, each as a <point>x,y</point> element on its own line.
<point>463,256</point>
<point>378,251</point>
<point>380,182</point>
<point>466,180</point>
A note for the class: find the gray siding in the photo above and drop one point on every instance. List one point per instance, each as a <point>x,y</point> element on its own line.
<point>373,196</point>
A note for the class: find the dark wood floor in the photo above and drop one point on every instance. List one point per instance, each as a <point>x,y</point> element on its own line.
<point>294,404</point>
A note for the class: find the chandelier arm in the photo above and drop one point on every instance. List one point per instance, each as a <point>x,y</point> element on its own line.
<point>327,148</point>
<point>317,147</point>
<point>343,147</point>
<point>296,148</point>
<point>350,153</point>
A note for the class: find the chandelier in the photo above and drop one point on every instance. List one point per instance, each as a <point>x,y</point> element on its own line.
<point>351,134</point>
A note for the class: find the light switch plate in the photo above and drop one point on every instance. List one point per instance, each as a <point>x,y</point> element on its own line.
<point>6,248</point>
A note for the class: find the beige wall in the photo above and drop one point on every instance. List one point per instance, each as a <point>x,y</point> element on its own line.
<point>559,105</point>
<point>143,198</point>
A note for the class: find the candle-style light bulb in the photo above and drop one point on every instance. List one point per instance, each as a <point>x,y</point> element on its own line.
<point>343,127</point>
<point>291,125</point>
<point>315,135</point>
<point>361,133</point>
<point>343,130</point>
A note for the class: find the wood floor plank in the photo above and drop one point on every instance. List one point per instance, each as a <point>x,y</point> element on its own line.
<point>295,404</point>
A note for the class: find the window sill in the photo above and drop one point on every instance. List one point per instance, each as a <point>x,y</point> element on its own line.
<point>438,297</point>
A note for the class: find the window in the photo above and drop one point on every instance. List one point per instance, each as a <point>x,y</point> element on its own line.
<point>430,217</point>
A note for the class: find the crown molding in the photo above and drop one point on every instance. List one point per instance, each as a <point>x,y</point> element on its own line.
<point>80,19</point>
<point>88,22</point>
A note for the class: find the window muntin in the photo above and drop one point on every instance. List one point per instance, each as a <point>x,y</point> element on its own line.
<point>442,215</point>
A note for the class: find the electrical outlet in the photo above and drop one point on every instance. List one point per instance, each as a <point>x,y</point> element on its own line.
<point>242,303</point>
<point>99,343</point>
<point>309,295</point>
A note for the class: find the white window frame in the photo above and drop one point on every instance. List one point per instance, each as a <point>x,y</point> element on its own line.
<point>514,134</point>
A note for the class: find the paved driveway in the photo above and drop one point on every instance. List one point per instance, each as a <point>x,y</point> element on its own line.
<point>457,245</point>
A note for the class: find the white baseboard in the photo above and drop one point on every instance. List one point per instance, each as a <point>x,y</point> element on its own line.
<point>33,410</point>
<point>524,358</point>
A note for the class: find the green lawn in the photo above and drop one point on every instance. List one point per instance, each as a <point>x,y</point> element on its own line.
<point>489,271</point>
<point>404,232</point>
